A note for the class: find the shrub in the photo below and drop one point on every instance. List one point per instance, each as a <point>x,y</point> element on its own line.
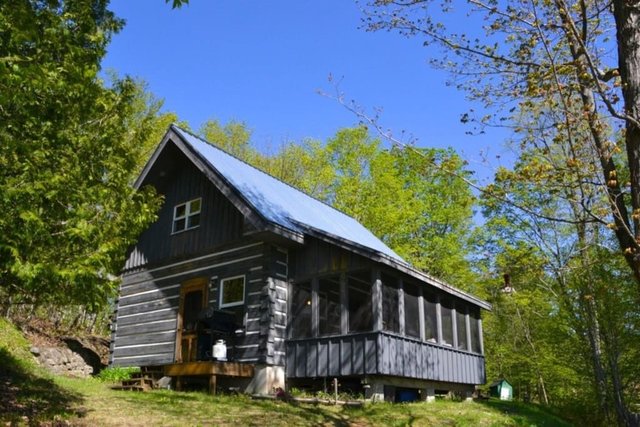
<point>117,373</point>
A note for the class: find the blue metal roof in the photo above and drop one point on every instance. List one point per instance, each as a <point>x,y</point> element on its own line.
<point>283,204</point>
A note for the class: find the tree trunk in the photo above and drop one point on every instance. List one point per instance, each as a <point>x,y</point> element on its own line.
<point>627,18</point>
<point>593,334</point>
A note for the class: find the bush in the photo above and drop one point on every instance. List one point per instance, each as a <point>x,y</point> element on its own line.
<point>117,373</point>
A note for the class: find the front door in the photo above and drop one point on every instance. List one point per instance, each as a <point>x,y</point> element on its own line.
<point>193,298</point>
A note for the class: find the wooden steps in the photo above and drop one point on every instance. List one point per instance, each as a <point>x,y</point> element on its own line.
<point>144,380</point>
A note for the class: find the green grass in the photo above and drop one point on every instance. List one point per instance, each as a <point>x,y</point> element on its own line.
<point>29,396</point>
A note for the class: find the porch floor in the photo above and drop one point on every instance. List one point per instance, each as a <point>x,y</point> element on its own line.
<point>212,369</point>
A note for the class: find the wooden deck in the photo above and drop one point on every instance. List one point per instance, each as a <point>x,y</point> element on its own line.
<point>211,369</point>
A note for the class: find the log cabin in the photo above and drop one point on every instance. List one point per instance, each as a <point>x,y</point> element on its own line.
<point>297,292</point>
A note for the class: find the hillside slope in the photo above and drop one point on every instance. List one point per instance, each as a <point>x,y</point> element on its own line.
<point>29,396</point>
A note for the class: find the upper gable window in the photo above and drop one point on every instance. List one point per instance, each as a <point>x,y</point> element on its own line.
<point>186,215</point>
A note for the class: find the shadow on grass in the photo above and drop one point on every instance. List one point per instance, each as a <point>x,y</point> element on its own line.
<point>314,413</point>
<point>28,398</point>
<point>525,414</point>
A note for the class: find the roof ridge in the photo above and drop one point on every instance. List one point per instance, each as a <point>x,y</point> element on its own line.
<point>274,177</point>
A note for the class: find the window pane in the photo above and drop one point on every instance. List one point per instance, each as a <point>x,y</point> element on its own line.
<point>390,315</point>
<point>193,221</point>
<point>232,291</point>
<point>329,306</point>
<point>430,318</point>
<point>180,211</point>
<point>411,311</point>
<point>178,225</point>
<point>474,325</point>
<point>300,322</point>
<point>447,323</point>
<point>359,287</point>
<point>194,206</point>
<point>462,329</point>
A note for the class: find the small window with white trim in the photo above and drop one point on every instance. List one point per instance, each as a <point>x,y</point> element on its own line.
<point>232,291</point>
<point>186,215</point>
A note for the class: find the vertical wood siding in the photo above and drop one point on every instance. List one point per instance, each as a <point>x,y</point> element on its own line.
<point>317,257</point>
<point>379,353</point>
<point>220,222</point>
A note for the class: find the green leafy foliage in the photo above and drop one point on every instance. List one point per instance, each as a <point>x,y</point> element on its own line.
<point>114,374</point>
<point>68,147</point>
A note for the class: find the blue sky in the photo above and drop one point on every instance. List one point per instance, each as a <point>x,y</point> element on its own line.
<point>263,63</point>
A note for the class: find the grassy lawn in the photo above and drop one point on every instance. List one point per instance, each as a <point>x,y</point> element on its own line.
<point>102,406</point>
<point>29,396</point>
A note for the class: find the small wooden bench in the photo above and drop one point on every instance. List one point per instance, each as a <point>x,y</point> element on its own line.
<point>213,369</point>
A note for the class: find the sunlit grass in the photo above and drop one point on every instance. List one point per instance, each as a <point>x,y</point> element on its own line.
<point>29,396</point>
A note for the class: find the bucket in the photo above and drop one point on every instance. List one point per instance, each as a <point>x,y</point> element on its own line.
<point>220,350</point>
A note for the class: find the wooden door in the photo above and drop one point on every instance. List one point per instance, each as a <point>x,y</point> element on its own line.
<point>193,298</point>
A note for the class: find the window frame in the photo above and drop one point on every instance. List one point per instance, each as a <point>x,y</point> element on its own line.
<point>244,289</point>
<point>187,215</point>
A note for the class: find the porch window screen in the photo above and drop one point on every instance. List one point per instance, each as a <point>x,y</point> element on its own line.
<point>430,318</point>
<point>474,324</point>
<point>359,287</point>
<point>447,322</point>
<point>329,305</point>
<point>390,315</point>
<point>300,313</point>
<point>462,329</point>
<point>411,310</point>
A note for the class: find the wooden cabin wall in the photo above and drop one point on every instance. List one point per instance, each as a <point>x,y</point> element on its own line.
<point>317,258</point>
<point>220,222</point>
<point>380,353</point>
<point>144,331</point>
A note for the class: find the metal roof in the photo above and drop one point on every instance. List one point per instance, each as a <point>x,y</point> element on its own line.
<point>289,210</point>
<point>283,204</point>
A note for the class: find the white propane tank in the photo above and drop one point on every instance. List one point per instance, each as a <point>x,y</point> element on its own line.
<point>220,350</point>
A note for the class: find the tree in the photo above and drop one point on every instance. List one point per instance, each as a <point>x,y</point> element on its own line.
<point>68,147</point>
<point>572,261</point>
<point>580,57</point>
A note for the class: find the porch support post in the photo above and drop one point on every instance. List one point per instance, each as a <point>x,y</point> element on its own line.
<point>376,299</point>
<point>454,318</point>
<point>439,319</point>
<point>315,312</point>
<point>401,306</point>
<point>344,305</point>
<point>480,334</point>
<point>468,322</point>
<point>421,313</point>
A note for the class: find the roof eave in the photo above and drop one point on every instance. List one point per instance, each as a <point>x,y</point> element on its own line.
<point>398,265</point>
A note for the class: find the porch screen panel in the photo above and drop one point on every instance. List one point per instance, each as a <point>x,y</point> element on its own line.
<point>447,322</point>
<point>390,303</point>
<point>430,318</point>
<point>474,324</point>
<point>359,290</point>
<point>300,325</point>
<point>462,328</point>
<point>411,310</point>
<point>329,306</point>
